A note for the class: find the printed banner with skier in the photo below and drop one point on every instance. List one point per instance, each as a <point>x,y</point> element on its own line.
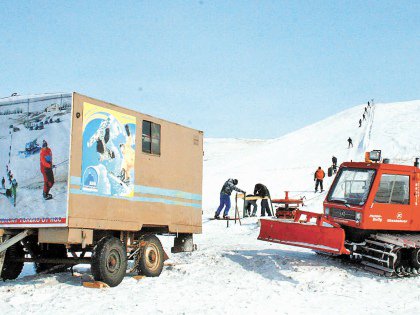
<point>108,152</point>
<point>35,140</point>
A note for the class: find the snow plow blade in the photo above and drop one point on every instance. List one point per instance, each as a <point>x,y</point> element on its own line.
<point>322,235</point>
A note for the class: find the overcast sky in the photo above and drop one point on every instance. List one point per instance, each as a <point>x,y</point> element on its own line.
<point>245,69</point>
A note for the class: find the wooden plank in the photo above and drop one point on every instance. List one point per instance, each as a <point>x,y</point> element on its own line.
<point>139,277</point>
<point>95,285</point>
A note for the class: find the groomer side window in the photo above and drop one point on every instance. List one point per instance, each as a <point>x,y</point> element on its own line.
<point>393,189</point>
<point>151,137</point>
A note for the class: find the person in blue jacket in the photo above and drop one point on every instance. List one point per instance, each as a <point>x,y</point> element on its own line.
<point>225,193</point>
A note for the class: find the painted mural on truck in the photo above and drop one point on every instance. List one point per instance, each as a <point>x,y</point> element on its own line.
<point>34,160</point>
<point>108,152</point>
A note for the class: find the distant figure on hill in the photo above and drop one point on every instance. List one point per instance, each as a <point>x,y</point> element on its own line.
<point>368,105</point>
<point>364,117</point>
<point>262,191</point>
<point>334,164</point>
<point>350,141</point>
<point>360,122</point>
<point>319,179</point>
<point>225,193</point>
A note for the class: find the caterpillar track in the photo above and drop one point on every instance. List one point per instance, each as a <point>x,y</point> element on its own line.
<point>389,254</point>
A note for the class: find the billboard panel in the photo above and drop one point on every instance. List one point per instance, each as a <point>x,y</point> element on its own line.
<point>108,152</point>
<point>34,160</point>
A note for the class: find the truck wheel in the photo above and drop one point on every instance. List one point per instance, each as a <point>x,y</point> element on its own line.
<point>12,269</point>
<point>151,259</point>
<point>415,258</point>
<point>51,251</point>
<point>109,261</point>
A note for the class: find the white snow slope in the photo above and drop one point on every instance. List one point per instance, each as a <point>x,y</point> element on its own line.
<point>234,273</point>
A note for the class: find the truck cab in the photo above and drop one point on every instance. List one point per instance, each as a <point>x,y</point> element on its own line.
<point>375,196</point>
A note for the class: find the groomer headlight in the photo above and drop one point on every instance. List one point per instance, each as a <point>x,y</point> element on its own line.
<point>327,211</point>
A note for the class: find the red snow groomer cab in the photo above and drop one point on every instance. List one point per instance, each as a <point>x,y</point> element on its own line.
<point>371,213</point>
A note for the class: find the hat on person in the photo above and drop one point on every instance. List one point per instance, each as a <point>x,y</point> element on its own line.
<point>44,144</point>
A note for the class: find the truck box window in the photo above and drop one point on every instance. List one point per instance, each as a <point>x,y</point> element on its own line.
<point>151,137</point>
<point>393,189</point>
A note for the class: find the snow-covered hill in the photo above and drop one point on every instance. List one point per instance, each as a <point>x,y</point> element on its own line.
<point>289,162</point>
<point>233,272</point>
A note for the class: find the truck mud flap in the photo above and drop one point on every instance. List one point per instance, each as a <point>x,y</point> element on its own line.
<point>322,236</point>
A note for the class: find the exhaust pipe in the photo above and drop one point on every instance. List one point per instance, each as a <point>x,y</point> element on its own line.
<point>416,163</point>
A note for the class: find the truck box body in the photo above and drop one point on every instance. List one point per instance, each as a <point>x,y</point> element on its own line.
<point>113,168</point>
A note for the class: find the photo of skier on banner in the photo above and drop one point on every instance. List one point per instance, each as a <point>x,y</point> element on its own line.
<point>46,169</point>
<point>128,155</point>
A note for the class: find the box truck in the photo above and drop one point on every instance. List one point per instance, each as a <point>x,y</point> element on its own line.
<point>95,185</point>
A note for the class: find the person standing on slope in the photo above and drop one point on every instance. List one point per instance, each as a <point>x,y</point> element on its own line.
<point>225,193</point>
<point>334,164</point>
<point>360,122</point>
<point>319,179</point>
<point>13,188</point>
<point>262,191</point>
<point>46,169</point>
<point>350,141</point>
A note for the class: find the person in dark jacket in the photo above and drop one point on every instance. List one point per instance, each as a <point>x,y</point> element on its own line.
<point>360,123</point>
<point>319,178</point>
<point>350,141</point>
<point>334,164</point>
<point>249,204</point>
<point>228,187</point>
<point>263,192</point>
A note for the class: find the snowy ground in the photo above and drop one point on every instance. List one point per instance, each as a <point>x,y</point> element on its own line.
<point>233,272</point>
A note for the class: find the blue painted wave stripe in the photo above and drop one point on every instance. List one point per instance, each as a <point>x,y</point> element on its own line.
<point>141,199</point>
<point>166,192</point>
<point>75,180</point>
<point>152,190</point>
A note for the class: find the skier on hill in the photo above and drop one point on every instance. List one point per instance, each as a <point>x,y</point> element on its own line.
<point>263,192</point>
<point>46,164</point>
<point>334,164</point>
<point>225,193</point>
<point>3,183</point>
<point>319,179</point>
<point>364,117</point>
<point>13,189</point>
<point>360,122</point>
<point>350,141</point>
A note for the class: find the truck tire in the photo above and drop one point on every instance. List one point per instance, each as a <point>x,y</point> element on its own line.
<point>12,269</point>
<point>152,258</point>
<point>51,251</point>
<point>109,261</point>
<point>415,258</point>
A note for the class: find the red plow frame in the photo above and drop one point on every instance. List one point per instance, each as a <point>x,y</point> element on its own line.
<point>321,235</point>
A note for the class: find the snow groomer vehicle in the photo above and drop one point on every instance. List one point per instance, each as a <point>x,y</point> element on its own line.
<point>95,185</point>
<point>371,214</point>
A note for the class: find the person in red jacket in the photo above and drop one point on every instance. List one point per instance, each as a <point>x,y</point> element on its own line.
<point>46,169</point>
<point>319,178</point>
